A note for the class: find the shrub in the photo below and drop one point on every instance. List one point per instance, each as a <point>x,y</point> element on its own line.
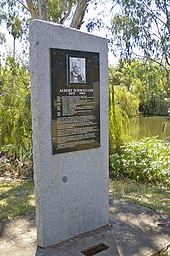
<point>146,160</point>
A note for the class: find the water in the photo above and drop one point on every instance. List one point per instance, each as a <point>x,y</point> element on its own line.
<point>141,127</point>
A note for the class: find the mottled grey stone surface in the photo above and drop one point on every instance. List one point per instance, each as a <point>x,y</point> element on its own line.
<point>66,209</point>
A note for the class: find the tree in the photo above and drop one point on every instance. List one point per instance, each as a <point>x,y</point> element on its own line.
<point>15,108</point>
<point>14,78</point>
<point>16,24</point>
<point>118,118</point>
<point>17,14</point>
<point>56,11</point>
<point>142,28</point>
<point>143,80</point>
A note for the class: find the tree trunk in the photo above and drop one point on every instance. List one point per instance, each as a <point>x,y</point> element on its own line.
<point>77,17</point>
<point>42,10</point>
<point>79,14</point>
<point>32,9</point>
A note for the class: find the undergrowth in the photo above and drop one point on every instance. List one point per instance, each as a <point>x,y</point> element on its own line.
<point>146,161</point>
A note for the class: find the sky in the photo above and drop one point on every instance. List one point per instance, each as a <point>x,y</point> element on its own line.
<point>102,10</point>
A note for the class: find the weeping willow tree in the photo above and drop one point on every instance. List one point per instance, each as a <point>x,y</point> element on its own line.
<point>118,119</point>
<point>122,105</point>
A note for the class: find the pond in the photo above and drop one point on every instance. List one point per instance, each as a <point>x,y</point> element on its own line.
<point>141,127</point>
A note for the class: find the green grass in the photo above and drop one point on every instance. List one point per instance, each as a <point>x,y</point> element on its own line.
<point>16,198</point>
<point>164,252</point>
<point>152,197</point>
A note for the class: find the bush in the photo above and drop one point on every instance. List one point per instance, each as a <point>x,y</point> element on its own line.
<point>146,160</point>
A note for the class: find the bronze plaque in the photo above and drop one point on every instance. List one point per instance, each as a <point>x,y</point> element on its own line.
<point>75,97</point>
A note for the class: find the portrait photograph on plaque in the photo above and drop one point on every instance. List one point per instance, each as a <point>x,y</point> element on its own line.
<point>76,70</point>
<point>75,100</point>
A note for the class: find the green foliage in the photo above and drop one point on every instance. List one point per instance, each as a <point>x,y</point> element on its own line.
<point>15,113</point>
<point>146,160</point>
<point>118,124</point>
<point>16,15</point>
<point>59,10</point>
<point>144,24</point>
<point>15,19</point>
<point>145,82</point>
<point>121,105</point>
<point>142,29</point>
<point>127,102</point>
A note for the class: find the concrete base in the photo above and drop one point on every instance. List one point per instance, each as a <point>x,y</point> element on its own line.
<point>90,242</point>
<point>134,231</point>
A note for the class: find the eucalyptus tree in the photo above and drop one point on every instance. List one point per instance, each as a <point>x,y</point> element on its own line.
<point>53,10</point>
<point>141,28</point>
<point>16,14</point>
<point>14,17</point>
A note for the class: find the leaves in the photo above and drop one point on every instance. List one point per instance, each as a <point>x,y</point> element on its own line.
<point>142,28</point>
<point>15,108</point>
<point>145,82</point>
<point>146,160</point>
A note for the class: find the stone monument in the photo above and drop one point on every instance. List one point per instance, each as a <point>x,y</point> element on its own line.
<point>69,98</point>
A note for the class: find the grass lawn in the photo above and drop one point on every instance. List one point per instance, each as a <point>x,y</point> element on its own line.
<point>152,197</point>
<point>16,198</point>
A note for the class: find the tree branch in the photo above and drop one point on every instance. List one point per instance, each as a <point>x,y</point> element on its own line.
<point>79,13</point>
<point>67,13</point>
<point>162,43</point>
<point>167,71</point>
<point>20,2</point>
<point>32,9</point>
<point>42,10</point>
<point>154,15</point>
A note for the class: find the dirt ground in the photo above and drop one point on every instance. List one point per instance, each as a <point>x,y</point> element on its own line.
<point>18,236</point>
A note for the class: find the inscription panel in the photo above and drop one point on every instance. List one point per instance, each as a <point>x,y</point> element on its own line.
<point>75,100</point>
